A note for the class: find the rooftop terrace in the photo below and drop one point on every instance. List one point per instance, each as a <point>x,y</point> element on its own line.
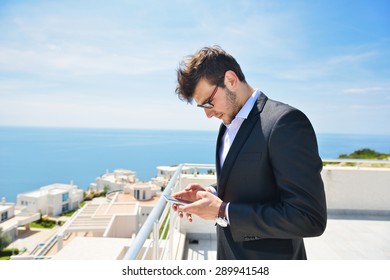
<point>360,232</point>
<point>358,223</point>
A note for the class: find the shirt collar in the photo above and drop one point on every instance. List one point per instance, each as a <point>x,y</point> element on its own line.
<point>246,109</point>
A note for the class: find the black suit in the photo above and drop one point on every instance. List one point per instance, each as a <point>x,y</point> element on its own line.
<point>271,177</point>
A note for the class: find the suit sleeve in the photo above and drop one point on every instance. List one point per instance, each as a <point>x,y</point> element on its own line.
<point>300,209</point>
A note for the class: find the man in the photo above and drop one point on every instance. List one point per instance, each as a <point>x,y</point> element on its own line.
<point>269,193</point>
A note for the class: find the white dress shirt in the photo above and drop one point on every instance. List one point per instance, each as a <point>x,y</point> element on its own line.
<point>234,126</point>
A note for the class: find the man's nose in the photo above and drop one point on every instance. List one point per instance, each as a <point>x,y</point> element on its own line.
<point>209,112</point>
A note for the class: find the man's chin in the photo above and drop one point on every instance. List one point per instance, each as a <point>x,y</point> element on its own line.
<point>226,121</point>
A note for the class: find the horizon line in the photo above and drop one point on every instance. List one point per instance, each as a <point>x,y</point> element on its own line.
<point>166,129</point>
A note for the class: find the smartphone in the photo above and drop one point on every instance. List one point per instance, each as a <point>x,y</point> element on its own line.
<point>176,200</point>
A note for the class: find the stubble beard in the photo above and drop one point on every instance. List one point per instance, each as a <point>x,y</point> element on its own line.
<point>231,98</point>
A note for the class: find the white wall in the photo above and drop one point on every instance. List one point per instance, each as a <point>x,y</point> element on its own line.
<point>347,188</point>
<point>123,226</point>
<point>9,208</point>
<point>202,179</point>
<point>55,202</point>
<point>48,200</point>
<point>144,212</point>
<point>34,204</point>
<point>352,188</point>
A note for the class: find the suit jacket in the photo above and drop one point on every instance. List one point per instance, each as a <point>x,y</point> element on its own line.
<point>271,177</point>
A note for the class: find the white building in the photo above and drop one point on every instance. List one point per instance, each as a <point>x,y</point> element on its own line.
<point>112,243</point>
<point>142,191</point>
<point>126,181</point>
<point>104,228</point>
<point>51,200</point>
<point>6,210</point>
<point>165,173</point>
<point>11,219</point>
<point>114,181</point>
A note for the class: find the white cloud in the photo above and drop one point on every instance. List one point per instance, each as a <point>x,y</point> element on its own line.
<point>369,90</point>
<point>67,63</point>
<point>82,60</point>
<point>352,58</point>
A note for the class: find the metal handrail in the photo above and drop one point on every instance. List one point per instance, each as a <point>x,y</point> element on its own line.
<point>358,163</point>
<point>156,215</point>
<point>345,160</point>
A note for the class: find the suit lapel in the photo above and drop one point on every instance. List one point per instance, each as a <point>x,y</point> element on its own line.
<point>222,130</point>
<point>239,141</point>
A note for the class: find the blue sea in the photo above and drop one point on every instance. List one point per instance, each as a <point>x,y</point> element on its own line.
<point>35,157</point>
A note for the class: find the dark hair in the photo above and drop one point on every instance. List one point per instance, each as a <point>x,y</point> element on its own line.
<point>210,63</point>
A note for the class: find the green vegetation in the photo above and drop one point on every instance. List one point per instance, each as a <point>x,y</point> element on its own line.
<point>70,213</point>
<point>362,154</point>
<point>4,240</point>
<point>365,154</point>
<point>44,222</point>
<point>89,195</point>
<point>165,224</point>
<point>6,254</point>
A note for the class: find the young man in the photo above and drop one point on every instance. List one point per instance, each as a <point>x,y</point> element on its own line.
<point>269,193</point>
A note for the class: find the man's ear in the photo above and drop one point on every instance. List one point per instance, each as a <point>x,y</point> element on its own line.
<point>231,80</point>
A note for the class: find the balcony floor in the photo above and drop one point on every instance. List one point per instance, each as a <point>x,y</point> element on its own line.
<point>346,238</point>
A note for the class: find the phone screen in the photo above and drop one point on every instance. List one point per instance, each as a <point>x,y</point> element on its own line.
<point>176,200</point>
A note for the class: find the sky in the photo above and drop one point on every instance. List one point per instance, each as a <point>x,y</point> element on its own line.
<point>112,64</point>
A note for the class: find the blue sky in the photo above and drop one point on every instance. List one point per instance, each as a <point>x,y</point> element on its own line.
<point>112,63</point>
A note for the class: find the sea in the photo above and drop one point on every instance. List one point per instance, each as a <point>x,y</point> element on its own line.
<point>32,157</point>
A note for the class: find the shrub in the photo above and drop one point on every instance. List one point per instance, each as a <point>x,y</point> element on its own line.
<point>5,240</point>
<point>365,154</point>
<point>44,223</point>
<point>9,252</point>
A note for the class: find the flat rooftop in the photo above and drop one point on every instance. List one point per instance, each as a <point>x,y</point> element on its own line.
<point>7,206</point>
<point>94,248</point>
<point>126,198</point>
<point>117,208</point>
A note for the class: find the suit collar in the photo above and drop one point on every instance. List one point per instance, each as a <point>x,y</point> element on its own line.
<point>260,103</point>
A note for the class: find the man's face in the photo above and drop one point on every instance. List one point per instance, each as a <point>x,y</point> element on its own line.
<point>225,101</point>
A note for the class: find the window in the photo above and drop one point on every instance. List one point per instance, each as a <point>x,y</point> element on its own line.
<point>65,197</point>
<point>4,216</point>
<point>65,208</point>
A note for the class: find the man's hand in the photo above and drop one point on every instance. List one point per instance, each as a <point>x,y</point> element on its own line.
<point>190,193</point>
<point>206,206</point>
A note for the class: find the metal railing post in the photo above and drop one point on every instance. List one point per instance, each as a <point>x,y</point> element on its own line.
<point>155,240</point>
<point>171,231</point>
